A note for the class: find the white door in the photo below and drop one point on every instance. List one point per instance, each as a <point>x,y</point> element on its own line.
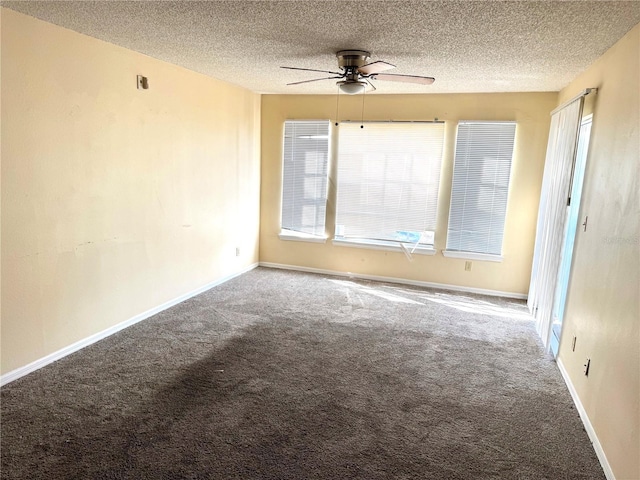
<point>560,297</point>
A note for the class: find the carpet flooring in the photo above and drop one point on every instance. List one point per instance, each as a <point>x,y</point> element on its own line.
<point>288,375</point>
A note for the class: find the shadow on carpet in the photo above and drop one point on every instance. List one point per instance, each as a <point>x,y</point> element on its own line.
<point>281,375</point>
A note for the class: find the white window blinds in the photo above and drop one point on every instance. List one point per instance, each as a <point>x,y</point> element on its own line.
<point>304,183</point>
<point>388,178</point>
<point>481,170</point>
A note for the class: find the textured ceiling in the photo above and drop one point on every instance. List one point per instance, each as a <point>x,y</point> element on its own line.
<point>469,46</point>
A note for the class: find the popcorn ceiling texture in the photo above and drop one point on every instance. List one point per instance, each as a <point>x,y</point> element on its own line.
<point>469,46</point>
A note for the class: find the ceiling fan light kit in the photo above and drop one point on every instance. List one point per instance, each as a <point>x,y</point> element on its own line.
<point>352,87</point>
<point>356,74</point>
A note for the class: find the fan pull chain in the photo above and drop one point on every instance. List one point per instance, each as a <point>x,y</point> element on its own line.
<point>337,104</point>
<point>362,114</point>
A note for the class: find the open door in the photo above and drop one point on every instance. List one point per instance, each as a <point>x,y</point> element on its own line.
<point>560,297</point>
<point>552,228</point>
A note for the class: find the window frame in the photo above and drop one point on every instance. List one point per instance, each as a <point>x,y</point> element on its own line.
<point>407,247</point>
<point>476,255</point>
<point>288,234</point>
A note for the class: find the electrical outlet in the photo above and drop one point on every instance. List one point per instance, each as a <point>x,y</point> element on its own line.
<point>467,266</point>
<point>143,82</point>
<point>237,251</point>
<point>586,367</point>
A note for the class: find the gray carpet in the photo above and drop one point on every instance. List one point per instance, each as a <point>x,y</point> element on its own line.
<point>284,375</point>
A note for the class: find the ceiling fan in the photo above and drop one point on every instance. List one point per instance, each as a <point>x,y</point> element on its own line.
<point>356,74</point>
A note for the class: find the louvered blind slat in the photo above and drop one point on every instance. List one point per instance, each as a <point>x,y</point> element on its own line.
<point>480,186</point>
<point>388,179</point>
<point>304,182</point>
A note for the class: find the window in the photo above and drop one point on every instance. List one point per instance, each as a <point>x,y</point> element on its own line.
<point>388,178</point>
<point>304,182</point>
<point>479,191</point>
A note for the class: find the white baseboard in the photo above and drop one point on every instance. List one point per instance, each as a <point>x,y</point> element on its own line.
<point>33,366</point>
<point>377,278</point>
<point>608,472</point>
<point>74,347</point>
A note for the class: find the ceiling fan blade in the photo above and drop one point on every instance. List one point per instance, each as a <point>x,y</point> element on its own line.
<point>403,78</point>
<point>375,67</point>
<point>312,80</point>
<point>312,70</point>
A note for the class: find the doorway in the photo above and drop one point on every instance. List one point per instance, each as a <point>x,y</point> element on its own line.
<point>564,272</point>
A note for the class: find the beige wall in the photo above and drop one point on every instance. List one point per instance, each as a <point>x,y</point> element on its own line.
<point>114,200</point>
<point>603,300</point>
<point>530,110</point>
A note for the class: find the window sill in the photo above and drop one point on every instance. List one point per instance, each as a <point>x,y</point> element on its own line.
<point>382,245</point>
<point>300,237</point>
<point>485,257</point>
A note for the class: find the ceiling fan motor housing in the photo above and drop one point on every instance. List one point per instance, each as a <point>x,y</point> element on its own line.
<point>352,59</point>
